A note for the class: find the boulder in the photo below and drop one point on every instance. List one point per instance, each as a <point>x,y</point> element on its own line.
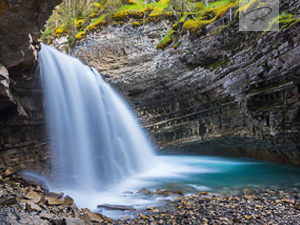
<point>168,193</point>
<point>145,191</point>
<point>73,221</point>
<point>32,195</point>
<point>8,200</point>
<point>59,201</point>
<point>94,217</point>
<point>46,215</point>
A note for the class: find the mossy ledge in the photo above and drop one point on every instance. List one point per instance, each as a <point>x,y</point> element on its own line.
<point>76,20</point>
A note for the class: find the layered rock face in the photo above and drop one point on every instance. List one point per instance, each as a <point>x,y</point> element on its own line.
<point>22,131</point>
<point>232,92</point>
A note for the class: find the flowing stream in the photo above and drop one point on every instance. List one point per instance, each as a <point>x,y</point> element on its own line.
<point>101,155</point>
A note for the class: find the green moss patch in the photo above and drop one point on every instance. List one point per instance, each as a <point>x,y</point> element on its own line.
<point>167,40</point>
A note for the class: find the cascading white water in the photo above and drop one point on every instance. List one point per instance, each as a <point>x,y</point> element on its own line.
<point>96,140</point>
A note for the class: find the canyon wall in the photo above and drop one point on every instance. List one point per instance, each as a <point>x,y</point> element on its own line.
<point>227,92</point>
<point>23,140</point>
<point>224,93</point>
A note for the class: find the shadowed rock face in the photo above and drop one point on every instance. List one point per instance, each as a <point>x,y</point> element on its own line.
<point>18,19</point>
<point>22,131</point>
<point>231,93</point>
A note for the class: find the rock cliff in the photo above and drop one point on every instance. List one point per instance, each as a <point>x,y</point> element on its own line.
<point>227,92</point>
<point>22,126</point>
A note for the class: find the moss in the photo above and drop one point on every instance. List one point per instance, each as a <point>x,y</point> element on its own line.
<point>175,26</point>
<point>98,5</point>
<point>80,35</point>
<point>196,6</point>
<point>206,17</point>
<point>283,20</point>
<point>194,27</point>
<point>60,30</point>
<point>296,21</point>
<point>247,7</point>
<point>160,7</point>
<point>133,2</point>
<point>93,15</point>
<point>98,13</point>
<point>137,24</point>
<point>134,14</point>
<point>96,23</point>
<point>175,46</point>
<point>79,23</point>
<point>167,40</point>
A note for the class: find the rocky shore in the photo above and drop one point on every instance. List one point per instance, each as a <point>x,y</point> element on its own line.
<point>22,202</point>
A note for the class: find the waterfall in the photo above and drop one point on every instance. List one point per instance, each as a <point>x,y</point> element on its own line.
<point>96,141</point>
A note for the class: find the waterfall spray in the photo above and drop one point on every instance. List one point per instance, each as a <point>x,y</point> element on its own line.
<point>96,141</point>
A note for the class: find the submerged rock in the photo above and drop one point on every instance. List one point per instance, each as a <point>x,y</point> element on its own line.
<point>168,192</point>
<point>116,207</point>
<point>145,191</point>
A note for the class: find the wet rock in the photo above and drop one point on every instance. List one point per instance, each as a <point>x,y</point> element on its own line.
<point>54,195</point>
<point>94,217</point>
<point>145,191</point>
<point>8,200</point>
<point>32,195</point>
<point>46,215</point>
<point>73,221</point>
<point>116,207</point>
<point>168,192</point>
<point>8,172</point>
<point>59,201</point>
<point>30,205</point>
<point>127,217</point>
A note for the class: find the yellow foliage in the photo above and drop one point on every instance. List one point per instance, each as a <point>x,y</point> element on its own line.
<point>97,5</point>
<point>79,23</point>
<point>164,2</point>
<point>133,2</point>
<point>222,10</point>
<point>93,15</point>
<point>125,15</point>
<point>175,26</point>
<point>137,24</point>
<point>97,23</point>
<point>80,35</point>
<point>158,10</point>
<point>247,7</point>
<point>194,27</point>
<point>60,30</point>
<point>208,16</point>
<point>199,5</point>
